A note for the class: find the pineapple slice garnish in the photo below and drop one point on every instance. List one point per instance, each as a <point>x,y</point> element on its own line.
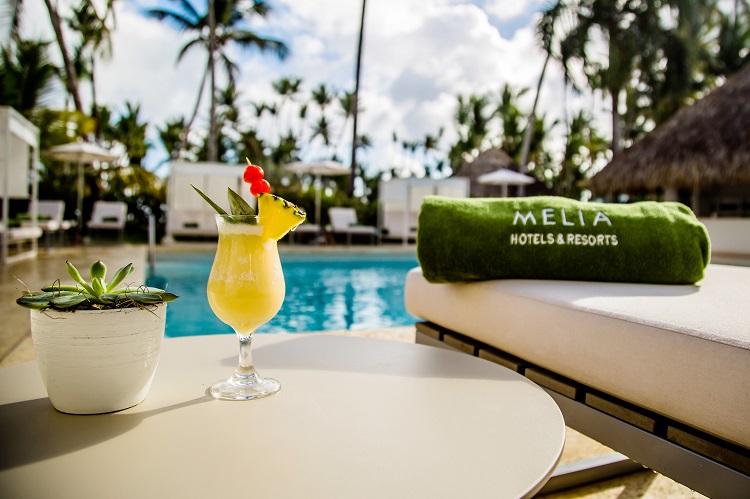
<point>278,216</point>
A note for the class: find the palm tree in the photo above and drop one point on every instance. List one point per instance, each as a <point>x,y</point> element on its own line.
<point>322,96</point>
<point>171,136</point>
<point>510,116</point>
<point>131,132</point>
<point>215,30</point>
<point>355,98</point>
<point>287,88</point>
<point>583,147</point>
<point>612,21</point>
<point>429,145</point>
<point>26,75</point>
<point>95,42</point>
<point>250,145</point>
<point>658,54</point>
<point>71,78</point>
<point>546,30</point>
<point>346,103</point>
<point>473,122</point>
<point>10,11</point>
<point>322,129</point>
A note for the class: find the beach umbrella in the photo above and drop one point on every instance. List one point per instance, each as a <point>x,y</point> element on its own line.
<point>325,168</point>
<point>505,177</point>
<point>81,153</point>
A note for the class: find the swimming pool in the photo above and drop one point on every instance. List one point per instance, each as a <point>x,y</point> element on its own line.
<point>323,292</point>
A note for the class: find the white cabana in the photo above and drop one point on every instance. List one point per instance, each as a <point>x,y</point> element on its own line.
<point>188,214</point>
<point>19,156</point>
<point>400,200</point>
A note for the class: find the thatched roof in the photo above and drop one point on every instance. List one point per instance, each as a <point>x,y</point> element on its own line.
<point>486,162</point>
<point>705,144</point>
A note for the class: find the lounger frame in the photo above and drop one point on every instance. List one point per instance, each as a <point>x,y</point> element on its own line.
<point>702,462</point>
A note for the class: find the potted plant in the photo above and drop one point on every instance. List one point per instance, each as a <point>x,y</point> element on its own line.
<point>97,342</point>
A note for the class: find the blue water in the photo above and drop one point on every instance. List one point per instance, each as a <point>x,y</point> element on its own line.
<point>323,292</point>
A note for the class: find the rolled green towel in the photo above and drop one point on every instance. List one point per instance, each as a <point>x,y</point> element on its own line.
<point>460,240</point>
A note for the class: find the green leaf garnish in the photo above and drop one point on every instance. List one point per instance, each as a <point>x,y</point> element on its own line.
<point>237,205</point>
<point>215,206</point>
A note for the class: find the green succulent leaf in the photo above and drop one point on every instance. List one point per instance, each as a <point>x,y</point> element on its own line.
<point>58,287</point>
<point>110,297</point>
<point>73,271</point>
<point>34,302</point>
<point>64,302</point>
<point>119,276</point>
<point>237,205</point>
<point>146,298</point>
<point>168,297</point>
<point>98,269</point>
<point>215,206</point>
<point>137,289</point>
<point>98,286</point>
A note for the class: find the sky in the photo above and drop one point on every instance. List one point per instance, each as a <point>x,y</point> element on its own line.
<point>418,56</point>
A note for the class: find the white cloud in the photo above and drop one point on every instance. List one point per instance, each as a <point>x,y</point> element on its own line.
<point>418,56</point>
<point>507,9</point>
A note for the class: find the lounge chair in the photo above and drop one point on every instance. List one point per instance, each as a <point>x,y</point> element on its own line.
<point>314,230</point>
<point>50,218</point>
<point>192,222</point>
<point>109,215</point>
<point>18,237</point>
<point>659,373</point>
<point>344,221</point>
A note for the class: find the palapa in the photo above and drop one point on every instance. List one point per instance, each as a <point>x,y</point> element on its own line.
<point>705,144</point>
<point>486,162</point>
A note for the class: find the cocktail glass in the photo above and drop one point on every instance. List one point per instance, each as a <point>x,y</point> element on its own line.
<point>245,290</point>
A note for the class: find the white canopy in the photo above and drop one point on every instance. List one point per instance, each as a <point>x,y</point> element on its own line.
<point>19,155</point>
<point>505,177</point>
<point>324,168</point>
<point>81,153</point>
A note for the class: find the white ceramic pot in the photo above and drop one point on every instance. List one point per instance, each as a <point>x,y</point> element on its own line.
<point>97,361</point>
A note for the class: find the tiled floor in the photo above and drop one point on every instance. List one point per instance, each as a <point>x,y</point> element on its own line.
<point>16,347</point>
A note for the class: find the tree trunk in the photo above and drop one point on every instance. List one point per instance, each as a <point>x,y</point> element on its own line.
<point>616,125</point>
<point>184,135</point>
<point>212,149</point>
<point>526,146</point>
<point>94,107</point>
<point>355,110</point>
<point>71,78</point>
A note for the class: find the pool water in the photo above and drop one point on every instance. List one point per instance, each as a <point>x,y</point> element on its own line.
<point>323,292</point>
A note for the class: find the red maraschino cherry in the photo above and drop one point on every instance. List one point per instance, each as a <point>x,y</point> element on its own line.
<point>261,185</point>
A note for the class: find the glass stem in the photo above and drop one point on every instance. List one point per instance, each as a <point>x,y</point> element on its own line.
<point>246,369</point>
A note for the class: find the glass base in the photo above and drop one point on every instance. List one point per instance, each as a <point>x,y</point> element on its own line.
<point>244,388</point>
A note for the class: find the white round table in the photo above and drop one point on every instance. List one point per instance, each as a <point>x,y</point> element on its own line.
<point>355,418</point>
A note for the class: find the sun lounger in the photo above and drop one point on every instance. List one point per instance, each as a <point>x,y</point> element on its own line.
<point>50,218</point>
<point>192,222</point>
<point>313,230</point>
<point>18,237</point>
<point>109,215</point>
<point>344,221</point>
<point>660,373</point>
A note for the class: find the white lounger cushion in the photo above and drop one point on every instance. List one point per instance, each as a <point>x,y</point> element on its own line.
<point>681,351</point>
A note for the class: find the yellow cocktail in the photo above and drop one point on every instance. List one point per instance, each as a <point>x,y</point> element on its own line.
<point>246,286</point>
<point>245,290</point>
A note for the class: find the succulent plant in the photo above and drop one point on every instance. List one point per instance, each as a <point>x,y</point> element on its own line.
<point>95,295</point>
